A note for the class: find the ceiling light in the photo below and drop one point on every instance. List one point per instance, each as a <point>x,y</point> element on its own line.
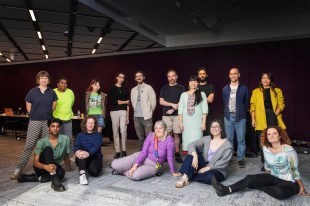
<point>99,40</point>
<point>43,47</point>
<point>32,15</point>
<point>46,56</point>
<point>94,50</point>
<point>195,20</point>
<point>178,4</point>
<point>39,35</point>
<point>8,60</point>
<point>1,54</point>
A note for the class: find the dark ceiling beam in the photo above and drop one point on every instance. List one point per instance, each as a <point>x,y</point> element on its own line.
<point>73,13</point>
<point>150,46</point>
<point>104,31</point>
<point>128,41</point>
<point>8,35</point>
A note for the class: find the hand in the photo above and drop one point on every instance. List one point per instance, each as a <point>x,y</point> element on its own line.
<point>195,162</point>
<point>302,192</point>
<point>69,169</point>
<point>204,169</point>
<point>181,126</point>
<point>175,106</point>
<point>50,168</point>
<point>203,127</point>
<point>78,154</point>
<point>176,174</point>
<point>253,123</point>
<point>127,120</point>
<point>85,154</point>
<point>170,111</point>
<point>133,169</point>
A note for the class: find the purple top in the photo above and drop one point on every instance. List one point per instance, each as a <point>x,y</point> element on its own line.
<point>210,154</point>
<point>165,151</point>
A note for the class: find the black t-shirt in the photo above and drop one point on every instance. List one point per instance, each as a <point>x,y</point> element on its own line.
<point>118,93</point>
<point>171,94</point>
<point>207,89</point>
<point>267,99</point>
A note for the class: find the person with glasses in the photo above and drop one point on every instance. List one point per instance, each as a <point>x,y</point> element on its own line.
<point>212,160</point>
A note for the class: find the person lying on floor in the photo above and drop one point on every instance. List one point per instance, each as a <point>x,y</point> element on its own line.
<point>49,152</point>
<point>157,148</point>
<point>282,178</point>
<point>87,149</point>
<point>213,159</point>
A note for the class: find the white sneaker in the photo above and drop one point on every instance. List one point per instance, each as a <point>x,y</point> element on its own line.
<point>83,179</point>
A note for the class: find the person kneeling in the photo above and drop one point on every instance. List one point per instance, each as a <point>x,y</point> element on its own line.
<point>87,149</point>
<point>212,161</point>
<point>49,153</point>
<point>157,148</point>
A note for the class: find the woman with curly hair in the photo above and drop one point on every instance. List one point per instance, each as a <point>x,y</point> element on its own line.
<point>282,178</point>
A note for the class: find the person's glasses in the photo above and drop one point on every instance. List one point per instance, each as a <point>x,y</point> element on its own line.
<point>215,127</point>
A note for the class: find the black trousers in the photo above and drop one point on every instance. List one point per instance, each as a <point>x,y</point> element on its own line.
<point>273,186</point>
<point>46,157</point>
<point>93,164</point>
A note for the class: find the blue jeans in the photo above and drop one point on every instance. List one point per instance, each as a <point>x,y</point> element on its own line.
<point>100,120</point>
<point>230,126</point>
<point>193,174</point>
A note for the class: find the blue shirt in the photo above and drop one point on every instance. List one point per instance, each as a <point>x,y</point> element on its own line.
<point>89,142</point>
<point>41,103</point>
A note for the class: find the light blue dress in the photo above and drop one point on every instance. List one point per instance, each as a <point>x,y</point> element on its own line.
<point>192,117</point>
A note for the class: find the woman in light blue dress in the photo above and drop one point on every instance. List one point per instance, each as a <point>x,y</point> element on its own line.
<point>193,109</point>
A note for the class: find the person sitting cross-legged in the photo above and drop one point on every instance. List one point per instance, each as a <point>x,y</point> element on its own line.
<point>49,152</point>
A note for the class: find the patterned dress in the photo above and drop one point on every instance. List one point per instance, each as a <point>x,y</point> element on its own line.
<point>192,117</point>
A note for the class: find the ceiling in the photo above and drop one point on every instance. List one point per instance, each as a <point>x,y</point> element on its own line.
<point>71,28</point>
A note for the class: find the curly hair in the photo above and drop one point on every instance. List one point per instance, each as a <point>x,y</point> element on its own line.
<point>84,121</point>
<point>284,138</point>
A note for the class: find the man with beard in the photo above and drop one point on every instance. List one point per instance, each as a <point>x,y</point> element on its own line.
<point>208,89</point>
<point>169,99</point>
<point>236,103</point>
<point>143,99</point>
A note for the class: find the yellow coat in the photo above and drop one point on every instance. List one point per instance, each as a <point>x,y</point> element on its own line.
<point>257,105</point>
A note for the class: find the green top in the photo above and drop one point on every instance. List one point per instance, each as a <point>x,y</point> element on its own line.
<point>63,110</point>
<point>62,147</point>
<point>94,104</point>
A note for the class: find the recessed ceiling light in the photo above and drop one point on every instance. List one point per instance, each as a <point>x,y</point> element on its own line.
<point>94,50</point>
<point>32,15</point>
<point>99,40</point>
<point>39,35</point>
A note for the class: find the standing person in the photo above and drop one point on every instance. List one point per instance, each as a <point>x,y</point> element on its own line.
<point>40,102</point>
<point>169,99</point>
<point>266,106</point>
<point>87,149</point>
<point>208,156</point>
<point>208,89</point>
<point>236,103</point>
<point>63,110</point>
<point>193,110</point>
<point>158,148</point>
<point>50,151</point>
<point>95,102</point>
<point>143,99</point>
<point>119,98</point>
<point>282,179</point>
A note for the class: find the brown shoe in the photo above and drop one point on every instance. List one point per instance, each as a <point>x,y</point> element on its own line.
<point>17,173</point>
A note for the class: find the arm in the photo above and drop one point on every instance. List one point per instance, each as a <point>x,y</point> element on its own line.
<point>103,104</point>
<point>153,98</point>
<point>28,107</point>
<point>246,98</point>
<point>144,152</point>
<point>205,110</point>
<point>39,165</point>
<point>180,112</point>
<point>54,105</point>
<point>170,154</point>
<point>253,107</point>
<point>67,163</point>
<point>192,150</point>
<point>224,160</point>
<point>163,102</point>
<point>280,102</point>
<point>210,98</point>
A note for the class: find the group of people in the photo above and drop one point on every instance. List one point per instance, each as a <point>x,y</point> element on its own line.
<point>187,119</point>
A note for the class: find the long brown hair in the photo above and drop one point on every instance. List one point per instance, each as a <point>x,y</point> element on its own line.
<point>90,87</point>
<point>272,84</point>
<point>284,138</point>
<point>84,121</point>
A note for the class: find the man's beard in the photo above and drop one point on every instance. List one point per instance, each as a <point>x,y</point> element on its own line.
<point>202,80</point>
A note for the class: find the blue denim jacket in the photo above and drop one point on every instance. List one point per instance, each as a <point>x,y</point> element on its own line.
<point>242,101</point>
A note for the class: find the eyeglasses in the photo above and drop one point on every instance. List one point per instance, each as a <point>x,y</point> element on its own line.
<point>215,127</point>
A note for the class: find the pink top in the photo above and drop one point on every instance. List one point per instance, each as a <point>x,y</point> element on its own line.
<point>165,151</point>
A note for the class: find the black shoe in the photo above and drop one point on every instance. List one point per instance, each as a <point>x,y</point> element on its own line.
<point>117,155</point>
<point>219,188</point>
<point>28,178</point>
<point>241,164</point>
<point>45,178</point>
<point>56,185</point>
<point>178,158</point>
<point>124,154</point>
<point>115,172</point>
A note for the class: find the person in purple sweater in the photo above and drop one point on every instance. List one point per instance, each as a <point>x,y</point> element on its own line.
<point>87,149</point>
<point>157,148</point>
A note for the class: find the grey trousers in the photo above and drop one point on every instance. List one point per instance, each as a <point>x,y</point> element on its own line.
<point>143,128</point>
<point>66,129</point>
<point>119,118</point>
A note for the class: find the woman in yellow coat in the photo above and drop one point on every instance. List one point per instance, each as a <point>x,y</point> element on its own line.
<point>266,106</point>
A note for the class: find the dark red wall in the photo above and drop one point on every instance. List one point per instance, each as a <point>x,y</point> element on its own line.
<point>289,61</point>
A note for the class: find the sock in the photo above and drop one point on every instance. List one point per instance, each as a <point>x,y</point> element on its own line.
<point>52,173</point>
<point>230,191</point>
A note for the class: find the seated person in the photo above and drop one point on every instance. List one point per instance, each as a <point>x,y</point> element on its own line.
<point>157,148</point>
<point>49,152</point>
<point>87,149</point>
<point>213,160</point>
<point>282,178</point>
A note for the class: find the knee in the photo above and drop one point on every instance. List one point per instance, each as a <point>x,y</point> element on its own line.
<point>278,194</point>
<point>48,150</point>
<point>94,172</point>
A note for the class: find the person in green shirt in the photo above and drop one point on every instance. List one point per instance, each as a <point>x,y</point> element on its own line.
<point>49,152</point>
